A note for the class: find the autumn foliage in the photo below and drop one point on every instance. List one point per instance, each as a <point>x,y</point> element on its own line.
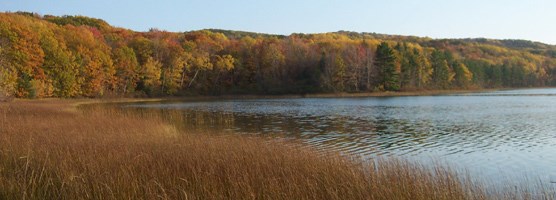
<point>76,56</point>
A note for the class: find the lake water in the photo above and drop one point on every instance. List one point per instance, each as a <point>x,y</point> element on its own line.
<point>499,136</point>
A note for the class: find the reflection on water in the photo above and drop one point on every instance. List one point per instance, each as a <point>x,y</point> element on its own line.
<point>506,132</point>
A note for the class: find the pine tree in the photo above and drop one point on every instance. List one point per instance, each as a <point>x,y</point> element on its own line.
<point>386,62</point>
<point>442,75</point>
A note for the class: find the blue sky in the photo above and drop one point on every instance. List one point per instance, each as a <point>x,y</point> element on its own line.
<point>500,19</point>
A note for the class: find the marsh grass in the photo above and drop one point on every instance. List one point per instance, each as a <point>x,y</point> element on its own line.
<point>50,150</point>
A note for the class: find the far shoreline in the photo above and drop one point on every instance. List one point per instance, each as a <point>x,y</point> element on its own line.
<point>318,95</point>
<point>83,101</point>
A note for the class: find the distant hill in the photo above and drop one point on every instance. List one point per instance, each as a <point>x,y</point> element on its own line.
<point>79,56</point>
<point>240,34</point>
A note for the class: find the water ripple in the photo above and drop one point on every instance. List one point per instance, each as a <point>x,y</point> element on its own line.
<point>506,131</point>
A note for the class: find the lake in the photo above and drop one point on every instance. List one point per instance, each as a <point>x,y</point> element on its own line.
<point>499,136</point>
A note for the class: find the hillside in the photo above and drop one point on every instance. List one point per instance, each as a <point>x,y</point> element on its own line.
<point>77,56</point>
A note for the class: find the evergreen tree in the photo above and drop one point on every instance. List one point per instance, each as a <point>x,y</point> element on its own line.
<point>407,62</point>
<point>386,62</point>
<point>443,74</point>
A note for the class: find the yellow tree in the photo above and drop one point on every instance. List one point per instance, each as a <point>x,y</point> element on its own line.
<point>22,53</point>
<point>222,64</point>
<point>271,70</point>
<point>150,75</point>
<point>424,69</point>
<point>200,62</point>
<point>59,63</point>
<point>173,73</point>
<point>8,74</point>
<point>225,62</point>
<point>127,69</point>
<point>339,74</point>
<point>463,76</point>
<point>95,66</point>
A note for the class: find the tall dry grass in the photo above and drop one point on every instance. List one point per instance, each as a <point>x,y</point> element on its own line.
<point>50,150</point>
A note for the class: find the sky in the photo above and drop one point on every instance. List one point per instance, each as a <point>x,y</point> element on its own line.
<point>498,19</point>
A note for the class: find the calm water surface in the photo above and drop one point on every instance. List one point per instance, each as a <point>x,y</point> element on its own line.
<point>496,135</point>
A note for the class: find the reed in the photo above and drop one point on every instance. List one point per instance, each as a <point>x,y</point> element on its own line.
<point>50,150</point>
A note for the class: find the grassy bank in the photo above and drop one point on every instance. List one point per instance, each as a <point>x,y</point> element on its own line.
<point>50,150</point>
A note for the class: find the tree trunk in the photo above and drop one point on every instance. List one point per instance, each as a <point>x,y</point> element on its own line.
<point>183,75</point>
<point>193,79</point>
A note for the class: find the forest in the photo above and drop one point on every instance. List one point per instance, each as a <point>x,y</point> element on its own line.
<point>77,56</point>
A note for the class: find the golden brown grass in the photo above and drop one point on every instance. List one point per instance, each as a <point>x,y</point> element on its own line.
<point>48,150</point>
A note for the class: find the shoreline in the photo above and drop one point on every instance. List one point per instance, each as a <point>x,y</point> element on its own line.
<point>83,101</point>
<point>314,95</point>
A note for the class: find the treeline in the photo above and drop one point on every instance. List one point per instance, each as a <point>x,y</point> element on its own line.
<point>75,56</point>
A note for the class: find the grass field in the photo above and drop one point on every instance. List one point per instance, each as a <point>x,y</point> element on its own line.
<point>49,149</point>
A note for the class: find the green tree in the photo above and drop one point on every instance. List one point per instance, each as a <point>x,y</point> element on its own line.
<point>385,60</point>
<point>408,64</point>
<point>443,74</point>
